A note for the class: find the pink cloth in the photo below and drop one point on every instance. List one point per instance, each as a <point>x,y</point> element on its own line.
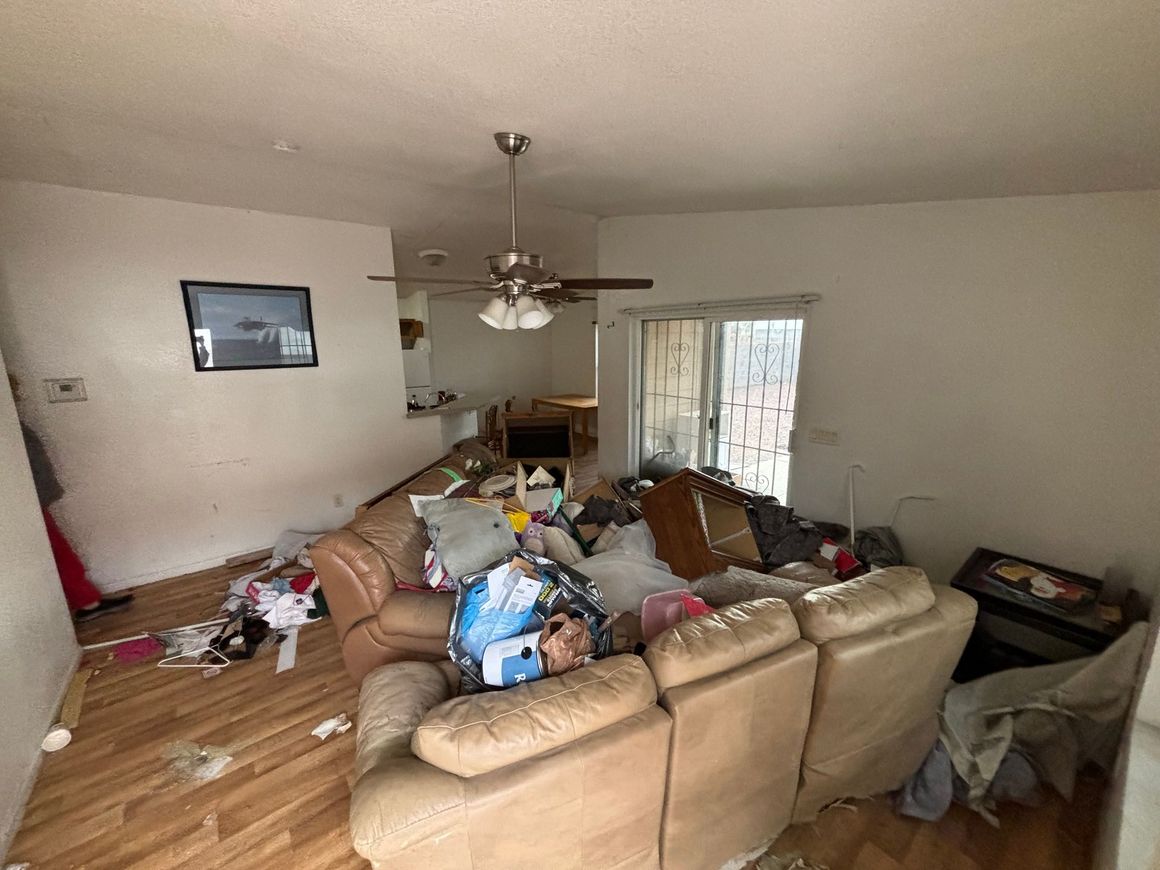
<point>135,650</point>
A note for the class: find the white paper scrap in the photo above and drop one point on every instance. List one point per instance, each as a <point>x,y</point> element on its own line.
<point>288,651</point>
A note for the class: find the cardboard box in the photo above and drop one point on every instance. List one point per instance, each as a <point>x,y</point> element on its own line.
<point>526,436</point>
<point>532,501</point>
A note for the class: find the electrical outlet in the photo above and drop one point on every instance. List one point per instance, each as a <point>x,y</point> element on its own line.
<point>829,437</point>
<point>339,501</point>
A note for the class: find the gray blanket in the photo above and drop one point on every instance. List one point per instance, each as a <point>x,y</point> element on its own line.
<point>1059,716</point>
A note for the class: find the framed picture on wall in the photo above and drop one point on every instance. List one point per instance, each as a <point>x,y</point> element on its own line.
<point>248,326</point>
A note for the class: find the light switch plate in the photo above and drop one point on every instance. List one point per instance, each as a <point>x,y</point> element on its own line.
<point>829,437</point>
<point>66,389</point>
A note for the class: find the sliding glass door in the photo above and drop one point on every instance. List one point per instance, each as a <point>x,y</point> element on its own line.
<point>721,392</point>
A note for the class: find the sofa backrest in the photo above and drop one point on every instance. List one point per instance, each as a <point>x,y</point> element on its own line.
<point>566,772</point>
<point>737,684</point>
<point>476,734</point>
<point>887,644</point>
<point>392,527</point>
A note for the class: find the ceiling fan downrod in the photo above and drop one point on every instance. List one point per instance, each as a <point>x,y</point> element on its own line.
<point>513,145</point>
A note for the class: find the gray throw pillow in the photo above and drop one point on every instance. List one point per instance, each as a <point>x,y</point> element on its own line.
<point>467,537</point>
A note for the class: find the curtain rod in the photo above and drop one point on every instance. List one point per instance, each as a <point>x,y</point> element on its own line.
<point>758,302</point>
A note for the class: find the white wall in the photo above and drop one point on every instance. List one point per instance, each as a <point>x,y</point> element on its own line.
<point>37,645</point>
<point>574,350</point>
<point>1129,838</point>
<point>574,355</point>
<point>167,469</point>
<point>1000,354</point>
<point>471,357</point>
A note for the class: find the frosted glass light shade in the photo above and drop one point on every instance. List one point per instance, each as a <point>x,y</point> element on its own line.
<point>529,316</point>
<point>545,315</point>
<point>511,319</point>
<point>493,312</point>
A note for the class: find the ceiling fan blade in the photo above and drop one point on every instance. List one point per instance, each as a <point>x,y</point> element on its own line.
<point>526,273</point>
<point>546,298</point>
<point>553,293</point>
<point>408,280</point>
<point>480,288</point>
<point>606,283</point>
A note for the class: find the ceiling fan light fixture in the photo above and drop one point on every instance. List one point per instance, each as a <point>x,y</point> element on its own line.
<point>529,316</point>
<point>511,320</point>
<point>494,312</point>
<point>547,316</point>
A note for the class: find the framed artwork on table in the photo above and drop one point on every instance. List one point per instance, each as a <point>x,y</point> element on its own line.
<point>248,326</point>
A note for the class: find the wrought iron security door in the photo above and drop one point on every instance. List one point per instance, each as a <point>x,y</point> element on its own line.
<point>721,392</point>
<point>671,407</point>
<point>754,400</point>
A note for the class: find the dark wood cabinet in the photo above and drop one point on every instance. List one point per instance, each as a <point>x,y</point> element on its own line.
<point>700,524</point>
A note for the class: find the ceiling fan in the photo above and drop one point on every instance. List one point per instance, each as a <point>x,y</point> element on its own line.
<point>527,296</point>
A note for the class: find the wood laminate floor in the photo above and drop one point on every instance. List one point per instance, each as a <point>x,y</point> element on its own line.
<point>110,799</point>
<point>868,835</point>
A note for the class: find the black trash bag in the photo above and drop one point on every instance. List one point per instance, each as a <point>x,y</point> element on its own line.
<point>879,546</point>
<point>836,532</point>
<point>781,535</point>
<point>602,511</point>
<point>565,590</point>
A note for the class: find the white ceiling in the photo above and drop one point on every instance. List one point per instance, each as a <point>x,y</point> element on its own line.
<point>636,106</point>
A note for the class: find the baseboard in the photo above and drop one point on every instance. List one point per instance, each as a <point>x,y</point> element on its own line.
<point>8,834</point>
<point>223,561</point>
<point>253,556</point>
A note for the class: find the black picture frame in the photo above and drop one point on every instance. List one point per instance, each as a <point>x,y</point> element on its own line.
<point>222,338</point>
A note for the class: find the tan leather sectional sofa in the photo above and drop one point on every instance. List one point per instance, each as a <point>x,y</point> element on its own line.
<point>729,727</point>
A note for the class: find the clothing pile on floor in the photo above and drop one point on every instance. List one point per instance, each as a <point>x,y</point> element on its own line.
<point>1003,735</point>
<point>283,590</point>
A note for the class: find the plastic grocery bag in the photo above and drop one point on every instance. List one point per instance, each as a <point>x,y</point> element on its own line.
<point>499,608</point>
<point>562,590</point>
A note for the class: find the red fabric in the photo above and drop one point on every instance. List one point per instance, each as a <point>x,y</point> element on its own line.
<point>301,583</point>
<point>79,591</point>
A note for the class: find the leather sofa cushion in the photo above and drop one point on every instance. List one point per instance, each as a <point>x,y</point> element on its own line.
<point>394,530</point>
<point>729,638</point>
<point>863,604</point>
<point>475,734</point>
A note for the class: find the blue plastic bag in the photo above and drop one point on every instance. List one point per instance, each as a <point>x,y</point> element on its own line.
<point>482,624</point>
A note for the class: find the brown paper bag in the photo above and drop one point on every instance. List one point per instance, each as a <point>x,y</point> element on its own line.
<point>564,643</point>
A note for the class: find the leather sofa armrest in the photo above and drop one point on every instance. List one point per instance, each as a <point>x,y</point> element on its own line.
<point>392,702</point>
<point>417,614</point>
<point>954,605</point>
<point>399,802</point>
<point>405,807</point>
<point>354,576</point>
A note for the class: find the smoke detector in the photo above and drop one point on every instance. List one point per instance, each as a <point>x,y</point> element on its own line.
<point>433,256</point>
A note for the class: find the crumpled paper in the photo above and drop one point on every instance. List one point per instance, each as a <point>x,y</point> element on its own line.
<point>336,725</point>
